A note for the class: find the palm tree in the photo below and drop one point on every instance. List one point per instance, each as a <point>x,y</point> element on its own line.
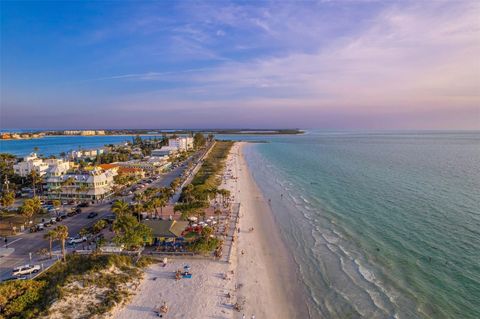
<point>51,235</point>
<point>36,178</point>
<point>56,204</point>
<point>27,211</point>
<point>138,209</point>
<point>61,233</point>
<point>120,208</point>
<point>162,203</point>
<point>155,203</point>
<point>148,206</point>
<point>188,193</point>
<point>139,197</point>
<point>8,199</point>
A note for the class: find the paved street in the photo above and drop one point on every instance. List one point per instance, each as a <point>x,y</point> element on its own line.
<point>26,243</point>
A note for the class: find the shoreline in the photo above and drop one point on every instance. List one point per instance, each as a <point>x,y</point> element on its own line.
<point>278,294</point>
<point>261,271</point>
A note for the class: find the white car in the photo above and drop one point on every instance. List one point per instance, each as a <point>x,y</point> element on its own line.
<point>25,270</point>
<point>76,240</point>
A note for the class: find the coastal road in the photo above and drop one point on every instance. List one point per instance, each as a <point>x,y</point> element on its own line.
<point>191,173</point>
<point>26,243</point>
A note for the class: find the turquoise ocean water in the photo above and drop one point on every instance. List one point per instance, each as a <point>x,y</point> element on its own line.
<point>381,225</point>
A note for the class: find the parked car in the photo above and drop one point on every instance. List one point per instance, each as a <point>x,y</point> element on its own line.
<point>40,226</point>
<point>62,215</point>
<point>92,215</point>
<point>53,220</point>
<point>78,210</point>
<point>25,270</point>
<point>76,240</point>
<point>84,204</point>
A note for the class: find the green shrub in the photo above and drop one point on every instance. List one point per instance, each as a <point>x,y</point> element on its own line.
<point>32,298</point>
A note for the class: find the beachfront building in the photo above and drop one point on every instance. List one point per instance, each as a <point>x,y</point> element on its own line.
<point>165,151</point>
<point>166,229</point>
<point>93,185</point>
<point>181,143</point>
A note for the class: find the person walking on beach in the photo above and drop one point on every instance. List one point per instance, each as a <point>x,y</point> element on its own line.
<point>253,316</point>
<point>243,317</point>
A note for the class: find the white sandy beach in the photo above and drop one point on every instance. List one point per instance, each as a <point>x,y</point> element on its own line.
<point>263,275</point>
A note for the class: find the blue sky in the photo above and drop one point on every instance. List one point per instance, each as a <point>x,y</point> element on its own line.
<point>315,64</point>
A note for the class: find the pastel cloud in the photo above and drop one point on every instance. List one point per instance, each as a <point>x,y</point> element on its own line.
<point>336,65</point>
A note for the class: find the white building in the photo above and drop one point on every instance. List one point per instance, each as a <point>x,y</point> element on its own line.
<point>58,167</point>
<point>93,185</point>
<point>86,153</point>
<point>71,132</point>
<point>30,162</point>
<point>164,151</point>
<point>42,166</point>
<point>181,143</point>
<point>151,165</point>
<point>84,132</point>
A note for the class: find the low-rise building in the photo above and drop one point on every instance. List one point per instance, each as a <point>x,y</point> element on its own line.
<point>131,171</point>
<point>83,132</point>
<point>86,153</point>
<point>165,151</point>
<point>166,229</point>
<point>151,165</point>
<point>71,132</point>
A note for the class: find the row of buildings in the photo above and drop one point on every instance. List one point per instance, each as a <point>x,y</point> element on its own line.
<point>63,180</point>
<point>20,136</point>
<point>84,132</point>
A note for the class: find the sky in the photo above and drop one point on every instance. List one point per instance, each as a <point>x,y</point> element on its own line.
<point>240,64</point>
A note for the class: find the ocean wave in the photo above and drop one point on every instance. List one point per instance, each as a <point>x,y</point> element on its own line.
<point>304,199</point>
<point>370,277</point>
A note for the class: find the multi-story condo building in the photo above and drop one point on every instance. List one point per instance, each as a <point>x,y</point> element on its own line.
<point>30,162</point>
<point>93,185</point>
<point>41,166</point>
<point>181,143</point>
